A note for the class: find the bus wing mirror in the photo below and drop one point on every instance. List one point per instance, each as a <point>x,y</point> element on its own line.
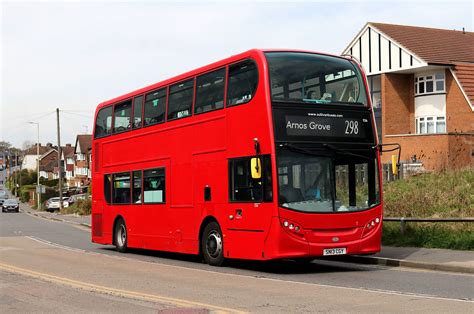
<point>395,158</point>
<point>256,168</point>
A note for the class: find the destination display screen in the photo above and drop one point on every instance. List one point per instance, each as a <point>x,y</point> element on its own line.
<point>326,125</point>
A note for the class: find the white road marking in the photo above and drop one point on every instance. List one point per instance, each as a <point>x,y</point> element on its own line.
<point>378,291</point>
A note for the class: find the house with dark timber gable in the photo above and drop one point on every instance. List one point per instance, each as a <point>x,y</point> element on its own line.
<point>421,83</point>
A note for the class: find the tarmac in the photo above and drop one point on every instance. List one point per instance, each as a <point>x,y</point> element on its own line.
<point>419,258</point>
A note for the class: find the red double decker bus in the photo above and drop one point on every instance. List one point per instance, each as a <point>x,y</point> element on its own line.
<point>264,155</point>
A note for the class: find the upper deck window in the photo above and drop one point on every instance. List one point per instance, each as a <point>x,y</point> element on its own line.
<point>243,80</point>
<point>181,100</point>
<point>314,78</point>
<point>137,112</point>
<point>122,114</point>
<point>210,91</point>
<point>103,122</point>
<point>155,106</point>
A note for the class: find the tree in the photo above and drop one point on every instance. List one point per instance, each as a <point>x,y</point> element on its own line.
<point>27,144</point>
<point>4,146</point>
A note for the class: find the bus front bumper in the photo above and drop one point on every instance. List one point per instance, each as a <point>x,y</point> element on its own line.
<point>281,243</point>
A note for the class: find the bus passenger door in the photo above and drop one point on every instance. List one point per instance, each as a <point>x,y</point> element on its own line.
<point>154,214</point>
<point>250,207</point>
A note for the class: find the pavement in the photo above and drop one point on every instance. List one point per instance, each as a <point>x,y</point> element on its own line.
<point>419,258</point>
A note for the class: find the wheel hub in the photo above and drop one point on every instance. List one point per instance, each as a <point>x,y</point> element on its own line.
<point>214,244</point>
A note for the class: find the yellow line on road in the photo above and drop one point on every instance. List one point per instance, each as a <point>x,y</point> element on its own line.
<point>115,292</point>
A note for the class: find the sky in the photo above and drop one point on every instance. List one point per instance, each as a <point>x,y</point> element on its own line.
<point>72,55</point>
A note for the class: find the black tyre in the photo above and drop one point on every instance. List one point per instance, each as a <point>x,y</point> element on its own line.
<point>212,245</point>
<point>121,236</point>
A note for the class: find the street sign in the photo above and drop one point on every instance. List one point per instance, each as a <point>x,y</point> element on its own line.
<point>41,189</point>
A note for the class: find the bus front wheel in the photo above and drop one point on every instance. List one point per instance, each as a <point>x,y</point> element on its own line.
<point>212,245</point>
<point>121,236</point>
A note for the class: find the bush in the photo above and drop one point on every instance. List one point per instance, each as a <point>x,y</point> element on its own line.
<point>50,183</point>
<point>81,207</point>
<point>24,196</point>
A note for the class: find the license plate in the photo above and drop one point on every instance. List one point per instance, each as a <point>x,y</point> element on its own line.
<point>335,251</point>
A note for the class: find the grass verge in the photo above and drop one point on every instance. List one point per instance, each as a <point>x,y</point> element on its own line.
<point>455,236</point>
<point>449,194</point>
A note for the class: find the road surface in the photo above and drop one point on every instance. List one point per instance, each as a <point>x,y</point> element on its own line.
<point>52,266</point>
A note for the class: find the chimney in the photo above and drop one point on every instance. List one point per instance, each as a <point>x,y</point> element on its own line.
<point>49,145</point>
<point>68,145</point>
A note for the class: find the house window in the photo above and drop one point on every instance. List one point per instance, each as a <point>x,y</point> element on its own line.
<point>430,125</point>
<point>430,84</point>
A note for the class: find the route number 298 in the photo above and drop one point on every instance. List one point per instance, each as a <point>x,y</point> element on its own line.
<point>352,127</point>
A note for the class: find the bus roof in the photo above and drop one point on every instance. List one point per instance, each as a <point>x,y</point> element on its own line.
<point>206,68</point>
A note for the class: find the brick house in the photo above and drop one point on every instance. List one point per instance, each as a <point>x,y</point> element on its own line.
<point>82,160</point>
<point>67,157</point>
<point>421,82</point>
<point>48,163</point>
<point>29,159</point>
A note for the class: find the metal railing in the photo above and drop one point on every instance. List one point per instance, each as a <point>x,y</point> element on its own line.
<point>404,220</point>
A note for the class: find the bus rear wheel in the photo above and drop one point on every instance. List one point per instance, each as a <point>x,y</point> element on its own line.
<point>212,245</point>
<point>121,238</point>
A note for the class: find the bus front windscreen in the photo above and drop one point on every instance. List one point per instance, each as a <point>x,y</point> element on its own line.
<point>314,78</point>
<point>327,183</point>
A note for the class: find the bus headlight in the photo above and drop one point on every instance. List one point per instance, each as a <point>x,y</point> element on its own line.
<point>370,226</point>
<point>292,227</point>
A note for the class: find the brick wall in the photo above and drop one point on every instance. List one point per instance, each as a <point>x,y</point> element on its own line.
<point>436,151</point>
<point>459,115</point>
<point>398,104</point>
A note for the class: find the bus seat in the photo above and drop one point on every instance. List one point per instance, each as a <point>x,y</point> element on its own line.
<point>289,194</point>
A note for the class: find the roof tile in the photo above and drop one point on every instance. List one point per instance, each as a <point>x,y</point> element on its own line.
<point>438,46</point>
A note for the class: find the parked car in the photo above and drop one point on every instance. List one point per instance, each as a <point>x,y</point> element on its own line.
<point>3,196</point>
<point>76,197</point>
<point>10,205</point>
<point>53,203</point>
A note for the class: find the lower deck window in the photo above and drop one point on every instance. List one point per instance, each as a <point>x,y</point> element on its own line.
<point>154,186</point>
<point>121,188</point>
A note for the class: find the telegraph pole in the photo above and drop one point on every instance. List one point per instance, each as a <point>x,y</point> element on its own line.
<point>38,190</point>
<point>60,172</point>
<point>19,180</point>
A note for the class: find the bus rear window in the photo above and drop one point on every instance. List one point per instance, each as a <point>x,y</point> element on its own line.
<point>103,122</point>
<point>314,78</point>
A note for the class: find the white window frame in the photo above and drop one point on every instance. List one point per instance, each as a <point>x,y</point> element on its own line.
<point>434,77</point>
<point>422,124</point>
